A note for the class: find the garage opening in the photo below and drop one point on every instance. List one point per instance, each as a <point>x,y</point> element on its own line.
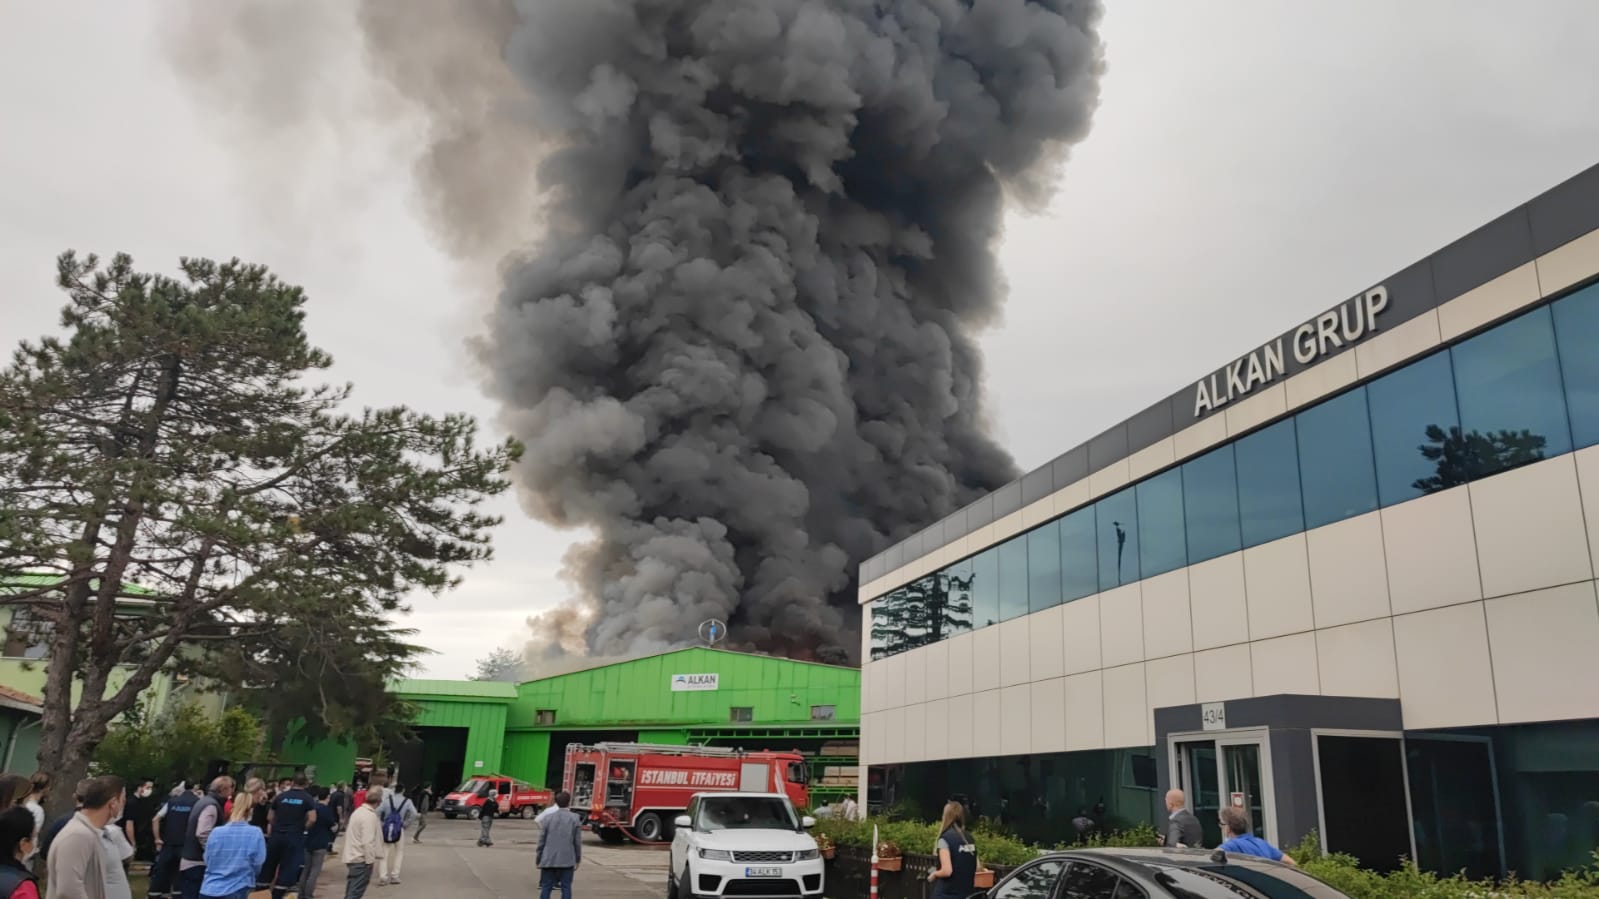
<point>436,755</point>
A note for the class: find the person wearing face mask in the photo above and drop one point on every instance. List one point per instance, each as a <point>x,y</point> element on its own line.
<point>141,810</point>
<point>85,860</point>
<point>16,844</point>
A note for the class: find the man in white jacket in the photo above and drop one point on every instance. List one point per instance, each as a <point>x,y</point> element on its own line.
<point>363,844</point>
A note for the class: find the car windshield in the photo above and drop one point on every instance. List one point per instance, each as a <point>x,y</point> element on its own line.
<point>475,785</point>
<point>746,813</point>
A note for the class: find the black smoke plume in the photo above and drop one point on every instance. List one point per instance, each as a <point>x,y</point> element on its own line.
<point>741,348</point>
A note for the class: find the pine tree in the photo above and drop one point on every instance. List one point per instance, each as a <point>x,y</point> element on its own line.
<point>167,443</point>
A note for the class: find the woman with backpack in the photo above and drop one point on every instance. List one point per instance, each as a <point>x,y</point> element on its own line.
<point>396,812</point>
<point>16,844</point>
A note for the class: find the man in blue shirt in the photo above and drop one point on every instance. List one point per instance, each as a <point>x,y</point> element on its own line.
<point>318,840</point>
<point>293,810</point>
<point>1235,827</point>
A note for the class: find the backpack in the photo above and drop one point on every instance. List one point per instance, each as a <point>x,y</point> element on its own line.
<point>394,821</point>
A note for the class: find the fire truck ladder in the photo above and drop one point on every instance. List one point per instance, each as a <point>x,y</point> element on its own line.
<point>666,749</point>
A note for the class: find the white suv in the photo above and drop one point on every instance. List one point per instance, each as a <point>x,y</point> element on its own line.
<point>745,845</point>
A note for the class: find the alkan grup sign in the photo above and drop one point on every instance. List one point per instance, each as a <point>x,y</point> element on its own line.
<point>1332,330</point>
<point>692,682</point>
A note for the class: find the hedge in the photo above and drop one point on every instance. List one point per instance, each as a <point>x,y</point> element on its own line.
<point>1340,871</point>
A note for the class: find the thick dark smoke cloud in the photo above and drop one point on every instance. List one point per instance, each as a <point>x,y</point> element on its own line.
<point>742,348</point>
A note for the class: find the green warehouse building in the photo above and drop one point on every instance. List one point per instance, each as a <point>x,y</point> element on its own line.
<point>698,696</point>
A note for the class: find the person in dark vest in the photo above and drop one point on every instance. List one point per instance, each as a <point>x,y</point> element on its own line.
<point>203,818</point>
<point>293,810</point>
<point>16,844</point>
<point>957,856</point>
<point>171,825</point>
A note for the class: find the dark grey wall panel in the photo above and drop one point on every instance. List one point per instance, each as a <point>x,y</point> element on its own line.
<point>1007,499</point>
<point>1483,255</point>
<point>955,526</point>
<point>1410,293</point>
<point>1070,467</point>
<point>1149,426</point>
<point>896,556</point>
<point>1111,446</point>
<point>1565,213</point>
<point>1037,485</point>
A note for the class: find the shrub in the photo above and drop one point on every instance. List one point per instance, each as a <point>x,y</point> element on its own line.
<point>1345,874</point>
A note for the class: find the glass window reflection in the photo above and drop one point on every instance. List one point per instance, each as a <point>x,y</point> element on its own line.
<point>1013,578</point>
<point>985,588</point>
<point>1116,523</point>
<point>1043,567</point>
<point>1335,468</point>
<point>1162,544</point>
<point>1577,336</point>
<point>1079,560</point>
<point>958,603</point>
<point>1413,421</point>
<point>1512,410</point>
<point>1210,505</point>
<point>1269,505</point>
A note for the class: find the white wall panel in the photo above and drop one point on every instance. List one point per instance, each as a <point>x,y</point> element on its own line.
<point>1225,673</point>
<point>1168,629</point>
<point>1121,625</point>
<point>1543,646</point>
<point>1445,673</point>
<point>1530,529</point>
<point>1567,265</point>
<point>1348,580</point>
<point>1277,584</point>
<point>893,690</point>
<point>1588,479</point>
<point>1048,708</point>
<point>960,664</point>
<point>1511,291</point>
<point>1358,660</point>
<point>1045,641</point>
<point>1431,551</point>
<point>892,744</point>
<point>1127,720</point>
<point>962,726</point>
<point>938,670</point>
<point>938,731</point>
<point>1016,720</point>
<point>915,732</point>
<point>1085,711</point>
<point>1080,635</point>
<point>985,659</point>
<point>1014,667</point>
<point>916,675</point>
<point>1216,597</point>
<point>986,724</point>
<point>1169,681</point>
<point>1285,665</point>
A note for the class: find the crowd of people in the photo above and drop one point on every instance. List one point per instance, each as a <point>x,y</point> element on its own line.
<point>219,840</point>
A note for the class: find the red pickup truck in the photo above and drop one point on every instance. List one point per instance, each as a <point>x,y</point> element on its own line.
<point>510,797</point>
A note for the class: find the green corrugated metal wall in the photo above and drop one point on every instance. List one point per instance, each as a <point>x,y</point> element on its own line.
<point>526,754</point>
<point>485,724</point>
<point>780,691</point>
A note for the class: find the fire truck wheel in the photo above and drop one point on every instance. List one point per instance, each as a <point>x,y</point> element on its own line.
<point>611,835</point>
<point>528,811</point>
<point>649,827</point>
<point>474,813</point>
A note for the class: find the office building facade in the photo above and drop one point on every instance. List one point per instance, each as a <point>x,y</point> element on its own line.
<point>1345,581</point>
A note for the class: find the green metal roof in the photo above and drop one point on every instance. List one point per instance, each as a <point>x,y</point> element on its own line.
<point>464,689</point>
<point>30,581</point>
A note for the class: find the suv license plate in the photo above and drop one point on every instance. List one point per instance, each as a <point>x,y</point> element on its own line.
<point>763,872</point>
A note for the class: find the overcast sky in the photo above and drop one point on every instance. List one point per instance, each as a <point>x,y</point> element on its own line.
<point>1251,164</point>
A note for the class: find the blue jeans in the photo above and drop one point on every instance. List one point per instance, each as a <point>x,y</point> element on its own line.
<point>550,878</point>
<point>242,894</point>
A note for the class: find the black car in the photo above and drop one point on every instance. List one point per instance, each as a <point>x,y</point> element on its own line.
<point>1157,874</point>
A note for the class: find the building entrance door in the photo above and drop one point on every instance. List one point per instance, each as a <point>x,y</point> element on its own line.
<point>1225,768</point>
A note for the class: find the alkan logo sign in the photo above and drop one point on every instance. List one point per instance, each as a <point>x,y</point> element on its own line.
<point>1330,331</point>
<point>694,682</point>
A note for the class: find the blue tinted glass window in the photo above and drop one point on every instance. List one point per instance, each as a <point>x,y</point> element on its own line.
<point>1335,467</point>
<point>1013,578</point>
<point>1161,544</point>
<point>1210,505</point>
<point>1079,561</point>
<point>1412,416</point>
<point>1512,410</point>
<point>1268,484</point>
<point>985,588</point>
<point>1116,523</point>
<point>957,584</point>
<point>1043,567</point>
<point>1577,332</point>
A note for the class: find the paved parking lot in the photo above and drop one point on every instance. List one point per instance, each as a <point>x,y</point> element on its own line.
<point>448,862</point>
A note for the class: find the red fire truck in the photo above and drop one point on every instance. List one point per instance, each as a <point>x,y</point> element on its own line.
<point>636,789</point>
